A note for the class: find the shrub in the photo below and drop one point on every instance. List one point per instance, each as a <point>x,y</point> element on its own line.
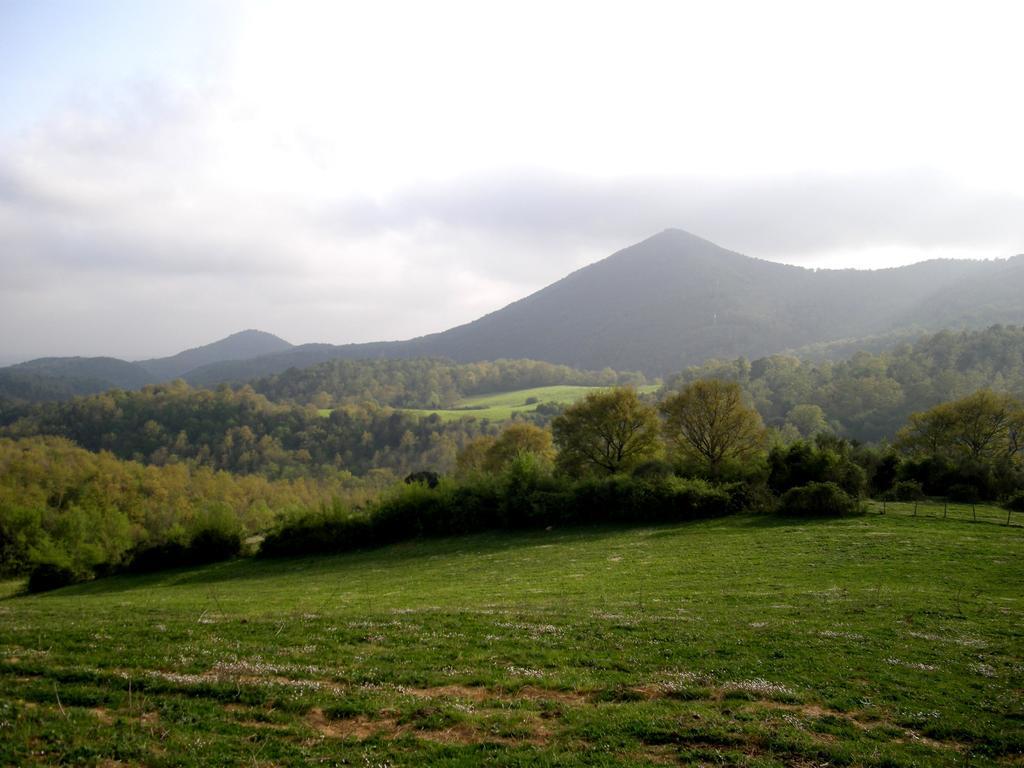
<point>525,495</point>
<point>963,493</point>
<point>818,500</point>
<point>209,544</point>
<point>655,469</point>
<point>331,528</point>
<point>1015,501</point>
<point>749,497</point>
<point>48,576</point>
<point>906,490</point>
<point>806,463</point>
<point>431,479</point>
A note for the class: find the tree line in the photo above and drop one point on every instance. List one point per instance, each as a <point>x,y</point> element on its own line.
<point>241,431</point>
<point>422,382</point>
<point>869,397</point>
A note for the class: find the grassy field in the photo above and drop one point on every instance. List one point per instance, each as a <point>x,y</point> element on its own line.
<point>501,405</point>
<point>878,641</point>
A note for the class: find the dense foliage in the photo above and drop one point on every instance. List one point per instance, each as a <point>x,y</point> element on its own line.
<point>422,382</point>
<point>241,431</point>
<point>818,500</point>
<point>522,496</point>
<point>970,448</point>
<point>67,510</point>
<point>606,432</point>
<point>870,396</point>
<point>708,424</point>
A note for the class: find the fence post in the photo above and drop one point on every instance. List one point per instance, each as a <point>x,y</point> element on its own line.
<point>974,510</point>
<point>883,506</point>
<point>1008,510</point>
<point>915,509</point>
<point>945,508</point>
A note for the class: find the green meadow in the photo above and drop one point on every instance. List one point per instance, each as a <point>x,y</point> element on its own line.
<point>876,641</point>
<point>502,406</point>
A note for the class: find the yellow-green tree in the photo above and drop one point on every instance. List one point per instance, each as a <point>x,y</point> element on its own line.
<point>983,426</point>
<point>606,432</point>
<point>709,423</point>
<point>517,440</point>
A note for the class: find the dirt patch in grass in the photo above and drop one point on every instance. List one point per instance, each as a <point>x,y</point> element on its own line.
<point>533,693</point>
<point>468,692</point>
<point>362,728</point>
<point>816,711</point>
<point>102,714</point>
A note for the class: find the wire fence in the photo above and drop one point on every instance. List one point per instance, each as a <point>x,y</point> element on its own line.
<point>949,510</point>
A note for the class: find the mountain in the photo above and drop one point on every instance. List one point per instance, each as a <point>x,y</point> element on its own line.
<point>675,300</point>
<point>60,378</point>
<point>238,346</point>
<point>668,302</point>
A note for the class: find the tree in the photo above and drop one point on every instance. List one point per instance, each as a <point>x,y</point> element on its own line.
<point>981,427</point>
<point>517,440</point>
<point>808,420</point>
<point>473,456</point>
<point>707,421</point>
<point>606,432</point>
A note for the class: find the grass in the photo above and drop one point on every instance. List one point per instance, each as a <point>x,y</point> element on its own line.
<point>502,406</point>
<point>876,641</point>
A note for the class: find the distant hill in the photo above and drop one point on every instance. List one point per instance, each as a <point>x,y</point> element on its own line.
<point>238,346</point>
<point>60,378</point>
<point>675,300</point>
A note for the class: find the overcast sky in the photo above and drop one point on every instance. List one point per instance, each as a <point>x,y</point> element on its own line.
<point>172,172</point>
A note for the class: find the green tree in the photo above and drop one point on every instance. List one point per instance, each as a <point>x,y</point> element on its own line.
<point>606,432</point>
<point>517,440</point>
<point>981,427</point>
<point>708,422</point>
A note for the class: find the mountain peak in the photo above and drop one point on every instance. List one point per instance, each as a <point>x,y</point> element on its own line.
<point>238,346</point>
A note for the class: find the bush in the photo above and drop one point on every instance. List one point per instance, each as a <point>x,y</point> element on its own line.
<point>818,500</point>
<point>963,493</point>
<point>655,469</point>
<point>48,576</point>
<point>523,496</point>
<point>331,528</point>
<point>806,463</point>
<point>906,490</point>
<point>1015,501</point>
<point>749,497</point>
<point>207,545</point>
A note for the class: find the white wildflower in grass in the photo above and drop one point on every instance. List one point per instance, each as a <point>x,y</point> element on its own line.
<point>760,687</point>
<point>523,671</point>
<point>911,664</point>
<point>829,633</point>
<point>983,669</point>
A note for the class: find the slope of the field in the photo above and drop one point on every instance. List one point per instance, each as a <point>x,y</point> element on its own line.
<point>880,641</point>
<point>501,406</point>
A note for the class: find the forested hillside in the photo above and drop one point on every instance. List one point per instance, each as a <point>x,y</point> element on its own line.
<point>241,431</point>
<point>238,346</point>
<point>80,510</point>
<point>274,427</point>
<point>869,397</point>
<point>422,383</point>
<point>61,378</point>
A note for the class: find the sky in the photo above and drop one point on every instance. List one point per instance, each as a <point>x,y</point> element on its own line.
<point>172,172</point>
